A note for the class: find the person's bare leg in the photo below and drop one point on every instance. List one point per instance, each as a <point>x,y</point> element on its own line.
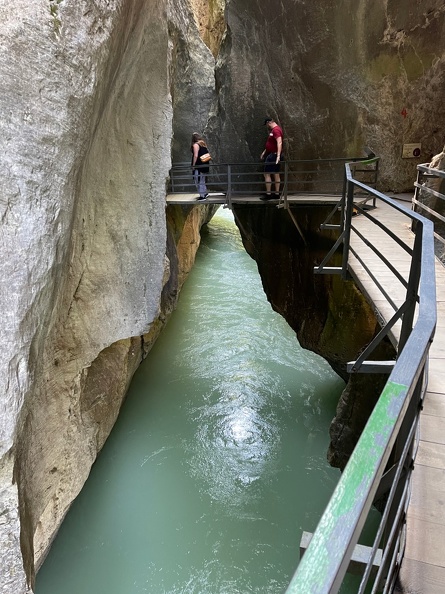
<point>268,181</point>
<point>277,182</point>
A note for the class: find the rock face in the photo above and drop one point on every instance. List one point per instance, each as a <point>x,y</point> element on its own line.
<point>88,270</point>
<point>338,76</point>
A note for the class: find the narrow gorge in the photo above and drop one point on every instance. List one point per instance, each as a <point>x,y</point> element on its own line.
<point>98,100</point>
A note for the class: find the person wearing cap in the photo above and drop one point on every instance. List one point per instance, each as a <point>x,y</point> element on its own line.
<point>272,157</point>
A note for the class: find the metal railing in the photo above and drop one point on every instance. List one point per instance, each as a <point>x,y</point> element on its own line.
<point>381,463</point>
<point>309,176</point>
<point>430,201</point>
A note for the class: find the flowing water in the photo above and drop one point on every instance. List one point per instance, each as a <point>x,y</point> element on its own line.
<point>217,462</point>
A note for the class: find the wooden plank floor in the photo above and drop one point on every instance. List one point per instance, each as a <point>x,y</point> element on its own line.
<point>423,566</point>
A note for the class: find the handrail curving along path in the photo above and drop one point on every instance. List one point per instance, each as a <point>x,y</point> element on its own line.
<point>390,434</point>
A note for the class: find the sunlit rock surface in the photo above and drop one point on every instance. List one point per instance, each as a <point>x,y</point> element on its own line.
<point>87,282</point>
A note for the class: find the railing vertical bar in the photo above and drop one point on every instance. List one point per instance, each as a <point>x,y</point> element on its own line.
<point>417,184</point>
<point>392,574</point>
<point>347,229</point>
<point>393,534</point>
<point>413,288</point>
<point>387,511</point>
<point>376,178</point>
<point>343,202</point>
<point>229,186</point>
<point>286,179</point>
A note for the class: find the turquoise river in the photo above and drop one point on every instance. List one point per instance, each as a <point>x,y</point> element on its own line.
<point>217,462</point>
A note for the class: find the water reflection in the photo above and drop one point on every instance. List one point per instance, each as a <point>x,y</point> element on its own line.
<point>234,447</point>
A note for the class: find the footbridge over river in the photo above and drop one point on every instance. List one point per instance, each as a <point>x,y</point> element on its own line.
<point>389,250</point>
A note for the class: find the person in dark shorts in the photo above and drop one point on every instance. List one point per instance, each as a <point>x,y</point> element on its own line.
<point>200,169</point>
<point>272,157</point>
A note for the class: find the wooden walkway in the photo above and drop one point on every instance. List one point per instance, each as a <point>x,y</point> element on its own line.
<point>423,566</point>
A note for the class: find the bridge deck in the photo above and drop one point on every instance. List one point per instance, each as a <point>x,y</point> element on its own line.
<point>423,567</point>
<point>218,198</point>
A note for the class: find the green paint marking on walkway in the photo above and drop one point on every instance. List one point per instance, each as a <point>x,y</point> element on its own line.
<point>323,558</point>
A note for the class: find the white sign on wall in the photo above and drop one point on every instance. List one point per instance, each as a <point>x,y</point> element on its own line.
<point>411,151</point>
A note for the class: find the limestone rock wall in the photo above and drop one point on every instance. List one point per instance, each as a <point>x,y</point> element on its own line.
<point>209,16</point>
<point>89,271</point>
<point>338,76</point>
<point>192,72</point>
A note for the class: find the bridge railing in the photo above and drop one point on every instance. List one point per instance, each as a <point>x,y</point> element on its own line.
<point>380,466</point>
<point>308,176</point>
<point>429,200</point>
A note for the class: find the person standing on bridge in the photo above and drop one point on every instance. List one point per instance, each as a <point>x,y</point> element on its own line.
<point>272,157</point>
<point>200,168</point>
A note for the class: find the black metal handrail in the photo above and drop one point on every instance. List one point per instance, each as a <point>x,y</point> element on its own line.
<point>382,461</point>
<point>308,176</point>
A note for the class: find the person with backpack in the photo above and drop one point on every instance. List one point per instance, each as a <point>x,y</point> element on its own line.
<point>200,159</point>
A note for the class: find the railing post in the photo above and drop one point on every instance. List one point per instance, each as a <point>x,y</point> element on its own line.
<point>376,174</point>
<point>343,202</point>
<point>286,178</point>
<point>347,227</point>
<point>396,514</point>
<point>229,186</point>
<point>412,289</point>
<point>416,197</point>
